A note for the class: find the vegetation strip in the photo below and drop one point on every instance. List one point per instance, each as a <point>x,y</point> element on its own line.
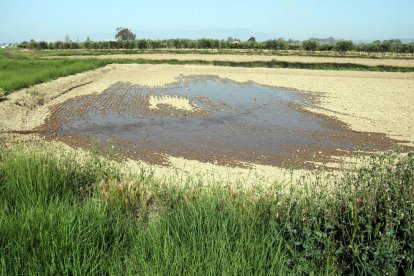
<point>129,42</point>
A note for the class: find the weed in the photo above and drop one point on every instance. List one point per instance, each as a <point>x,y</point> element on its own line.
<point>19,103</point>
<point>38,97</point>
<point>2,94</point>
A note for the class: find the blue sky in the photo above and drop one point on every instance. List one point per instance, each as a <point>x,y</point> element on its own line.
<point>297,19</point>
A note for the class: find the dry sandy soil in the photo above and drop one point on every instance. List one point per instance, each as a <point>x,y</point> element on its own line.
<point>245,58</point>
<point>366,101</point>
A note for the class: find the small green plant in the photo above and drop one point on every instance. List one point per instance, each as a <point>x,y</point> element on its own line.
<point>2,94</point>
<point>18,103</point>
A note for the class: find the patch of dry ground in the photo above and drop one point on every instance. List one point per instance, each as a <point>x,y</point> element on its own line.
<point>247,58</point>
<point>173,101</point>
<point>367,101</point>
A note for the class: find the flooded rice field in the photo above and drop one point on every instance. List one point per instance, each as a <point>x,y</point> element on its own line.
<point>207,119</point>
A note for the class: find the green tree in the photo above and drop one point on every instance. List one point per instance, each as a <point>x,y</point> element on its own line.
<point>392,45</point>
<point>373,47</point>
<point>58,45</point>
<point>87,44</point>
<point>204,43</point>
<point>32,44</point>
<point>252,39</point>
<point>142,44</point>
<point>410,48</point>
<point>344,46</point>
<point>41,45</point>
<point>310,45</point>
<point>275,44</point>
<point>124,34</point>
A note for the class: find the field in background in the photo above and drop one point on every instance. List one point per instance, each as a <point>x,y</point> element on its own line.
<point>21,69</point>
<point>97,52</point>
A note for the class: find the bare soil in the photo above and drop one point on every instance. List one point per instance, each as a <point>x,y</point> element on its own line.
<point>254,124</point>
<point>375,102</point>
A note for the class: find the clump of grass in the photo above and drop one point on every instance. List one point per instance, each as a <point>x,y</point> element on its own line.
<point>60,217</point>
<point>38,97</point>
<point>2,94</point>
<point>18,103</point>
<point>33,98</point>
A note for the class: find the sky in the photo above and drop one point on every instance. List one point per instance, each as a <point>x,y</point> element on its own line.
<point>160,19</point>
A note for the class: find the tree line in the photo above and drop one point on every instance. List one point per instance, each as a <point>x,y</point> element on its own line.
<point>311,45</point>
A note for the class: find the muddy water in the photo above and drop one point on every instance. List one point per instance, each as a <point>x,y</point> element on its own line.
<point>228,123</point>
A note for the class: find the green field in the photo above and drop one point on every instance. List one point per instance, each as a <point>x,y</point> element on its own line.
<point>24,69</point>
<point>59,217</point>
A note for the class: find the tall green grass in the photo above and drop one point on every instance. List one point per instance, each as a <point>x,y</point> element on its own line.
<point>61,217</point>
<point>22,70</point>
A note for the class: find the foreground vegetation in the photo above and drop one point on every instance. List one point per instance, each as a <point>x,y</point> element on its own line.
<point>24,69</point>
<point>60,217</point>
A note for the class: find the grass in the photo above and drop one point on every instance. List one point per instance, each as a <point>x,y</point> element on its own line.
<point>61,217</point>
<point>24,69</point>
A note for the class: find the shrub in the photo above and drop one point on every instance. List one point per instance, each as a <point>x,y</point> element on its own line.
<point>310,45</point>
<point>2,94</point>
<point>344,46</point>
<point>38,97</point>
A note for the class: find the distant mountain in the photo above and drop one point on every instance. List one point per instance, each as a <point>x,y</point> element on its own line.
<point>214,33</point>
<point>407,40</point>
<point>403,40</point>
<point>332,40</point>
<point>328,40</point>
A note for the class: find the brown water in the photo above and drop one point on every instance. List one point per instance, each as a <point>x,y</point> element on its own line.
<point>231,124</point>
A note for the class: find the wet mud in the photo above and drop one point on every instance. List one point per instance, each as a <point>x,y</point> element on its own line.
<point>223,122</point>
